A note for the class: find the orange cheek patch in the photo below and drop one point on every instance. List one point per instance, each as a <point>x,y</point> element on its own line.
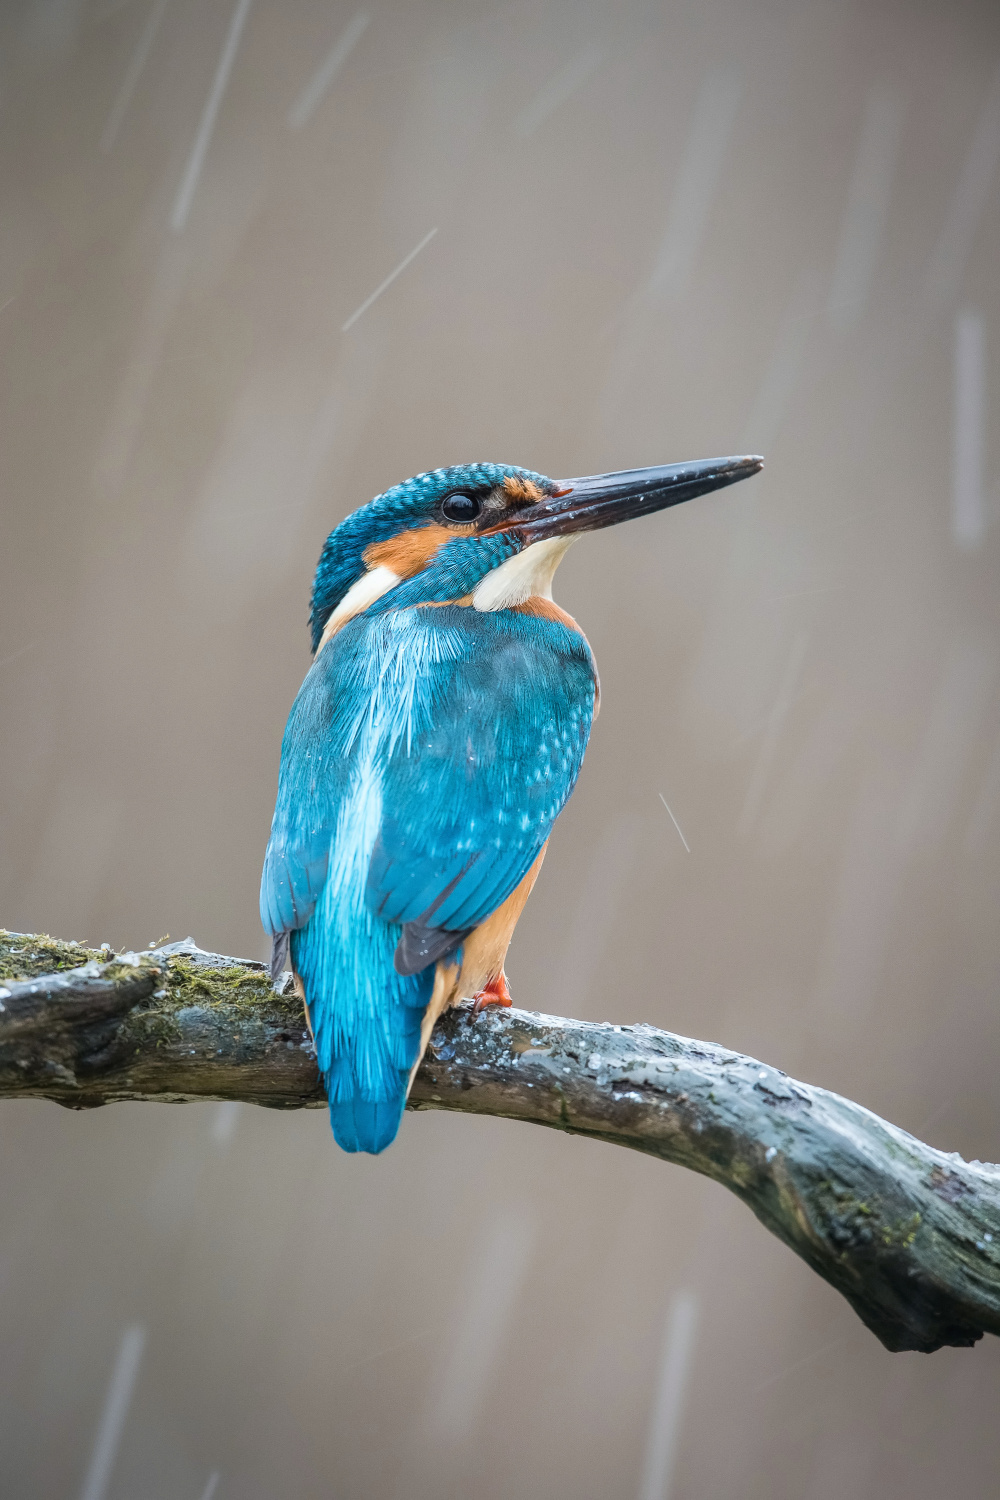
<point>408,552</point>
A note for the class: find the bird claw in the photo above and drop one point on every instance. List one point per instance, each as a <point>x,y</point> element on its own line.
<point>496,992</point>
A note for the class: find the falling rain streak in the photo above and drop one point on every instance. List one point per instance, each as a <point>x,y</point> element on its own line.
<point>116,1405</point>
<point>675,823</point>
<point>133,73</point>
<point>383,286</point>
<point>202,141</point>
<point>310,97</point>
<point>801,1364</point>
<point>224,1121</point>
<point>668,1402</point>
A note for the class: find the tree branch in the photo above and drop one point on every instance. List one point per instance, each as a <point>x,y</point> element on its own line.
<point>909,1235</point>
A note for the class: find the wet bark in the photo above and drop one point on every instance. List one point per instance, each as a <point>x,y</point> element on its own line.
<point>909,1235</point>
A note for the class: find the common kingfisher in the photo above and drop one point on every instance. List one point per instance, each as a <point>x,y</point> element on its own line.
<point>430,749</point>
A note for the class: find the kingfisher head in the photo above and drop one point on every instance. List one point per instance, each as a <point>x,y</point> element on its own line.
<point>488,535</point>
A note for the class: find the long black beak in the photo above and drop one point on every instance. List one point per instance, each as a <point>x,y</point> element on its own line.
<point>605,499</point>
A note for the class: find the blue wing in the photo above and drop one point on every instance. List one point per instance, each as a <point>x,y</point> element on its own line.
<point>313,778</point>
<point>468,806</point>
<point>426,757</point>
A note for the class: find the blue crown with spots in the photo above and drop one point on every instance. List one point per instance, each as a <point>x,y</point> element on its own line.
<point>409,504</point>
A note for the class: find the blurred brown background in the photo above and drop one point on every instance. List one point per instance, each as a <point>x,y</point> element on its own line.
<point>664,231</point>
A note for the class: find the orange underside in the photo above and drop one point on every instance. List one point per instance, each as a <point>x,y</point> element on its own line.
<point>483,952</point>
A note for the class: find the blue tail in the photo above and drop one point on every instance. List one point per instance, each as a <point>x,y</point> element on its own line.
<point>360,1125</point>
<point>366,1020</point>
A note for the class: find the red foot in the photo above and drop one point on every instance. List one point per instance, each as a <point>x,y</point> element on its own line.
<point>495,993</point>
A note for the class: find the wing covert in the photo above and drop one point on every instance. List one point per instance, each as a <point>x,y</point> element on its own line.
<point>470,799</point>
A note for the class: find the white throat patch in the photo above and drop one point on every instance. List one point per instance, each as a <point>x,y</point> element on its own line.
<point>524,576</point>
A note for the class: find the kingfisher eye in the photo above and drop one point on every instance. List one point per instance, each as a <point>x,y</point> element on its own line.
<point>460,507</point>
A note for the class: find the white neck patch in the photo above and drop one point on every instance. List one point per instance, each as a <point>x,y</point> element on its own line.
<point>526,575</point>
<point>369,587</point>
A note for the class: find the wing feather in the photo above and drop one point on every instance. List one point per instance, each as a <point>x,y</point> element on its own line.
<point>471,799</point>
